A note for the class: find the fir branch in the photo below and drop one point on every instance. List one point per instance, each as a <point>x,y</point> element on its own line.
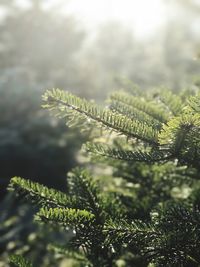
<point>135,232</point>
<point>68,105</point>
<point>179,242</point>
<point>127,155</point>
<point>141,104</point>
<point>39,194</point>
<point>65,217</point>
<point>181,137</point>
<point>105,223</point>
<point>193,105</point>
<point>86,190</point>
<point>134,113</point>
<point>171,101</point>
<point>20,261</point>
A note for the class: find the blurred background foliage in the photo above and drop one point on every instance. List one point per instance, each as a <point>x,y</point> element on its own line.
<point>37,52</point>
<point>42,47</point>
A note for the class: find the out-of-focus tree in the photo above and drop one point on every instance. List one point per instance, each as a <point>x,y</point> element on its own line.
<point>110,55</point>
<point>42,46</point>
<point>168,58</point>
<point>178,54</point>
<point>38,50</point>
<point>181,41</point>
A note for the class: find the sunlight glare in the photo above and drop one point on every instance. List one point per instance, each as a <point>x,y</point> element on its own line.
<point>143,16</point>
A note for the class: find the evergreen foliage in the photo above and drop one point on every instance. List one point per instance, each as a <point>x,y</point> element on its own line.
<point>143,209</point>
<point>19,261</point>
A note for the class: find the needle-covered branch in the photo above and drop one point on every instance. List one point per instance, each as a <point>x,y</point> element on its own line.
<point>66,105</point>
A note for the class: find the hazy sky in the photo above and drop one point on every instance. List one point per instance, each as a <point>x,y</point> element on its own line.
<point>144,16</point>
